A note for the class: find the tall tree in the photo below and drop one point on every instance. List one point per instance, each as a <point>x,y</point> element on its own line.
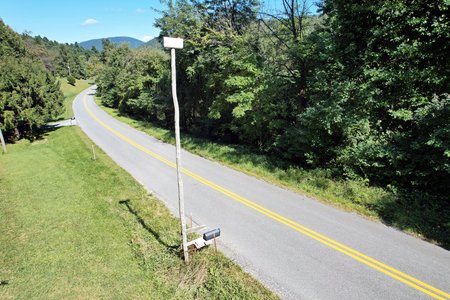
<point>29,94</point>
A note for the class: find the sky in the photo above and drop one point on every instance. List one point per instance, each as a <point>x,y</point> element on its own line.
<point>69,21</point>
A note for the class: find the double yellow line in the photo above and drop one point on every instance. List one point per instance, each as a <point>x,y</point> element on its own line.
<point>367,260</point>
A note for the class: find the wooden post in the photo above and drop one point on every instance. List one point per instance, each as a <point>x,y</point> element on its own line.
<point>3,141</point>
<point>215,249</point>
<point>178,158</point>
<point>93,152</point>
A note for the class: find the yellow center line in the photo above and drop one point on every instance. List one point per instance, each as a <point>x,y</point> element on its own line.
<point>367,260</point>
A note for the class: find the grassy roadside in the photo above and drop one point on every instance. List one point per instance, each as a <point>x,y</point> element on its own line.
<point>74,227</point>
<point>70,92</point>
<point>371,202</point>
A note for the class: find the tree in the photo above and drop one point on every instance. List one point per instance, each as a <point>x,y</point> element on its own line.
<point>29,94</point>
<point>234,15</point>
<point>130,80</point>
<point>216,58</point>
<point>71,80</point>
<point>382,68</point>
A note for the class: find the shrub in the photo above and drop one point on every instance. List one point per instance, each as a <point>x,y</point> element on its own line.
<point>71,80</point>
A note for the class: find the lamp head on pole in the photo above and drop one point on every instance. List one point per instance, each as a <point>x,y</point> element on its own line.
<point>174,43</point>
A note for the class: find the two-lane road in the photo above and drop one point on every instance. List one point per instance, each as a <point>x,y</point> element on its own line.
<point>298,247</point>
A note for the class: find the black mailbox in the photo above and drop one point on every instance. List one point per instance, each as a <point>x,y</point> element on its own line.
<point>209,235</point>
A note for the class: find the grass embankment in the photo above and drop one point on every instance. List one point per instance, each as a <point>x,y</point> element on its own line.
<point>74,227</point>
<point>375,203</point>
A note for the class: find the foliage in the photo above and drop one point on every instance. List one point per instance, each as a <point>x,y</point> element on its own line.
<point>131,80</point>
<point>216,57</point>
<point>71,80</point>
<point>71,61</point>
<point>379,103</point>
<point>62,60</point>
<point>29,94</point>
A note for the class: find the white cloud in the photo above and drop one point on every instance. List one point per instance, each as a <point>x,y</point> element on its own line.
<point>146,38</point>
<point>140,10</point>
<point>89,22</point>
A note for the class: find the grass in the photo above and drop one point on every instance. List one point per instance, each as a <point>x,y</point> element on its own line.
<point>74,227</point>
<point>70,92</point>
<point>375,203</point>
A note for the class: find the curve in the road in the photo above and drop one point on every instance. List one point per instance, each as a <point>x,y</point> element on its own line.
<point>367,260</point>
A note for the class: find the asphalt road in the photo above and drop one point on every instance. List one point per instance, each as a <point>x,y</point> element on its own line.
<point>298,247</point>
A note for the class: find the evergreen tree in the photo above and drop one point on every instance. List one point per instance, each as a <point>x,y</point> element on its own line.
<point>29,94</point>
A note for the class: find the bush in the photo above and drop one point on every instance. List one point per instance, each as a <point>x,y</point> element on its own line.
<point>71,80</point>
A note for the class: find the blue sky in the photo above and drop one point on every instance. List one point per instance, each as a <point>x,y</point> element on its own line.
<point>70,21</point>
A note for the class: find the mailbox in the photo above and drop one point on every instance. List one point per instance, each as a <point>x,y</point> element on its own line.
<point>209,235</point>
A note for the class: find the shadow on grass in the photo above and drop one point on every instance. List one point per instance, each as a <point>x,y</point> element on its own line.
<point>40,133</point>
<point>171,248</point>
<point>416,212</point>
<point>61,118</point>
<point>44,130</point>
<point>4,282</point>
<point>32,135</point>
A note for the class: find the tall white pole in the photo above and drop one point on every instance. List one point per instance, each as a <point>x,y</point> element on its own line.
<point>178,158</point>
<point>2,141</point>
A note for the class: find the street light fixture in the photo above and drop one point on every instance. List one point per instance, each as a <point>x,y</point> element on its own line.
<point>172,44</point>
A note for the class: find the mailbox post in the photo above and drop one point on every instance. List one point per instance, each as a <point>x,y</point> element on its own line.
<point>172,44</point>
<point>2,141</point>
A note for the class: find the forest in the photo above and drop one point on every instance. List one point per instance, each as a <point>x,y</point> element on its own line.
<point>360,90</point>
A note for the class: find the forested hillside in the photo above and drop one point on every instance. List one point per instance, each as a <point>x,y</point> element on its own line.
<point>118,40</point>
<point>360,91</point>
<point>61,60</point>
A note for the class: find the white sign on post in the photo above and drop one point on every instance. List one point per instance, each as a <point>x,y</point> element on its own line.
<point>174,43</point>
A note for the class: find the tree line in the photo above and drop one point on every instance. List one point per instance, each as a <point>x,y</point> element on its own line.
<point>360,90</point>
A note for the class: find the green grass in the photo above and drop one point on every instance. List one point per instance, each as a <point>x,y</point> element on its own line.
<point>70,92</point>
<point>74,227</point>
<point>372,202</point>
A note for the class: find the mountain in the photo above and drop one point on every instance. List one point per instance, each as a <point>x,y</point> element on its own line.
<point>97,43</point>
<point>153,43</point>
